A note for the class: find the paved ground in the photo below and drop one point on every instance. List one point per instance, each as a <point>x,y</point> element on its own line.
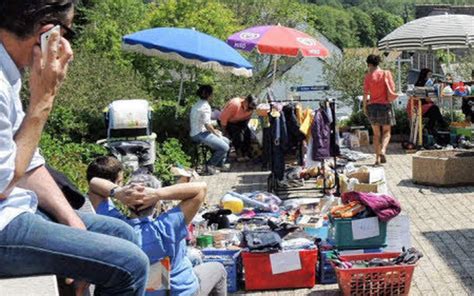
<point>442,226</point>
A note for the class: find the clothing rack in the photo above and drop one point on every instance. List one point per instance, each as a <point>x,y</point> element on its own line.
<point>272,183</point>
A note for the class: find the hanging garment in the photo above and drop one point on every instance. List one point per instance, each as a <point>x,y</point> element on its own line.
<point>279,145</point>
<point>305,127</point>
<point>299,113</point>
<point>321,134</point>
<point>295,136</point>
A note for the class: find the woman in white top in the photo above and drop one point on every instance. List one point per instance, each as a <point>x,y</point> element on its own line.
<point>203,132</point>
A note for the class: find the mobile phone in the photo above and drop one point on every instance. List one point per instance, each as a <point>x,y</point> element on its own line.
<point>45,39</point>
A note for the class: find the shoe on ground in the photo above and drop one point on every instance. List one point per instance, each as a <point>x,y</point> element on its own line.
<point>212,170</point>
<point>225,167</point>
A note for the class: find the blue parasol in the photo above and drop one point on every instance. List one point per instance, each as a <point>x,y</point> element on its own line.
<point>189,47</point>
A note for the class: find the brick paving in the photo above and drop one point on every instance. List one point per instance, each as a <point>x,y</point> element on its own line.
<point>442,226</point>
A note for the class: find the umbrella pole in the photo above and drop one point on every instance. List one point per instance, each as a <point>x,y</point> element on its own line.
<point>275,65</point>
<point>181,87</point>
<point>399,62</point>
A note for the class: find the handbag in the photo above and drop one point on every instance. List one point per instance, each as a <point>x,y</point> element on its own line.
<point>391,94</point>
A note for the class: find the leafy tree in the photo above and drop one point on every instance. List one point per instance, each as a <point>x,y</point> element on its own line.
<point>289,13</point>
<point>92,83</point>
<point>107,22</point>
<point>384,22</point>
<point>209,16</point>
<point>365,29</point>
<point>335,24</point>
<point>346,75</point>
<point>70,158</point>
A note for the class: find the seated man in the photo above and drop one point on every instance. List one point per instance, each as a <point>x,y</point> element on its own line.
<point>203,132</point>
<point>55,239</point>
<point>164,236</point>
<point>234,120</point>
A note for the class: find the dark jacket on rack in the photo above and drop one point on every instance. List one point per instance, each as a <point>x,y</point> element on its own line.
<point>280,144</point>
<point>295,136</point>
<point>321,134</point>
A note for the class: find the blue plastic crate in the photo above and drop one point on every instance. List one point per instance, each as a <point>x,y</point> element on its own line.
<point>232,262</point>
<point>326,273</point>
<point>321,232</point>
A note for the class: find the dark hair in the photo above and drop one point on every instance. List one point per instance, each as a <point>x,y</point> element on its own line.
<point>374,60</point>
<point>251,101</point>
<point>104,167</point>
<point>423,77</point>
<point>24,17</point>
<point>204,91</point>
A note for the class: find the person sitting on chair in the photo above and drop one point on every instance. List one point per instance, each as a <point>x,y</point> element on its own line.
<point>430,110</point>
<point>162,236</point>
<point>202,131</point>
<point>234,121</point>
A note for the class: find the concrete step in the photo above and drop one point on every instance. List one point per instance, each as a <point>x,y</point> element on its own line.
<point>30,286</point>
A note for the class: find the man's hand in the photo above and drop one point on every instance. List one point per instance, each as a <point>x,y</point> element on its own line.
<point>131,195</point>
<point>76,222</point>
<point>151,198</point>
<point>48,73</point>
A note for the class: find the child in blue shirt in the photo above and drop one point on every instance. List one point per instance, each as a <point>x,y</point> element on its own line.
<point>163,236</point>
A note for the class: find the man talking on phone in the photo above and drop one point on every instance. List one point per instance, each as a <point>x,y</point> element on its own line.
<point>39,231</point>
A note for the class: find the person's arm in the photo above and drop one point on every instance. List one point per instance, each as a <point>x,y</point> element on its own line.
<point>192,195</point>
<point>44,84</point>
<point>131,195</point>
<point>50,198</point>
<point>391,82</point>
<point>206,119</point>
<point>366,95</point>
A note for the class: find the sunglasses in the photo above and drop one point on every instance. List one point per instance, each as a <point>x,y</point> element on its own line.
<point>68,33</point>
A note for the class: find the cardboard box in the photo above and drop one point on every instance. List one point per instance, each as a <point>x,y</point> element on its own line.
<point>372,181</point>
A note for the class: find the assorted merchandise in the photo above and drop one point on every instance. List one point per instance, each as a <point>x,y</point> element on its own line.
<point>268,243</point>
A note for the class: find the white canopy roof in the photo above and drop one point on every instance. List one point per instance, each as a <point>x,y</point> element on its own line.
<point>432,32</point>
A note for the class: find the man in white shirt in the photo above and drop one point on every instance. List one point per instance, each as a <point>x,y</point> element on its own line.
<point>55,239</point>
<point>202,131</point>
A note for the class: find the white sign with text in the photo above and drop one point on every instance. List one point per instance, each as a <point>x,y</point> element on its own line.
<point>285,262</point>
<point>365,228</point>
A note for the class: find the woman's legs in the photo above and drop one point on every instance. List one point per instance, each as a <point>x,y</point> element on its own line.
<point>377,137</point>
<point>212,279</point>
<point>235,133</point>
<point>386,134</point>
<point>220,147</point>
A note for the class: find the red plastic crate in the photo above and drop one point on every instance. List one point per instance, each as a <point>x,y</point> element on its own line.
<point>383,280</point>
<point>258,272</point>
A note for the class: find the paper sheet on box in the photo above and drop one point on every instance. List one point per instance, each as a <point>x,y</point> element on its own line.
<point>365,228</point>
<point>398,233</point>
<point>376,175</point>
<point>285,262</point>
